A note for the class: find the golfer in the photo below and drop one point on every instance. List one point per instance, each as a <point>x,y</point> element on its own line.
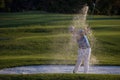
<point>84,49</point>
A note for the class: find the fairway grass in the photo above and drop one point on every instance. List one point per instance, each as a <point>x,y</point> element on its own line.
<point>35,39</point>
<point>60,77</point>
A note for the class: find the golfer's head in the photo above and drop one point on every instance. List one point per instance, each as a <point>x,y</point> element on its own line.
<point>72,28</point>
<point>81,32</point>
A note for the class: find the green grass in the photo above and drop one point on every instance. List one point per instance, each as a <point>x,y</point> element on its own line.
<point>36,38</point>
<point>60,77</point>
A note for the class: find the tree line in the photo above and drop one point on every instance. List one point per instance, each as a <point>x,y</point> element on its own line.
<point>102,7</point>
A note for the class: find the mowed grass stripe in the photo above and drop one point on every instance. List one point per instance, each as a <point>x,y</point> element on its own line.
<point>60,77</point>
<point>36,38</point>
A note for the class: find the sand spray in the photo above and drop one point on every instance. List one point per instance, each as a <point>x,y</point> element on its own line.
<point>68,52</point>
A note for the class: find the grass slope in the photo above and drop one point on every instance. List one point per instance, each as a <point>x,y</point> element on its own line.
<point>60,77</point>
<point>35,38</point>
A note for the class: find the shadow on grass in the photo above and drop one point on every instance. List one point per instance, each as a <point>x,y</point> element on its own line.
<point>109,18</point>
<point>106,28</point>
<point>60,77</point>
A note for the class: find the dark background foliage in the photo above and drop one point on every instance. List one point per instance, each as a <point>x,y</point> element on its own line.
<point>103,7</point>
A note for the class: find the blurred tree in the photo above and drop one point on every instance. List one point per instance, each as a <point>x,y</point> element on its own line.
<point>2,5</point>
<point>108,7</point>
<point>8,5</point>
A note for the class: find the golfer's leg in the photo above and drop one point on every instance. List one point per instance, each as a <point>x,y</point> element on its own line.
<point>79,61</point>
<point>86,59</point>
